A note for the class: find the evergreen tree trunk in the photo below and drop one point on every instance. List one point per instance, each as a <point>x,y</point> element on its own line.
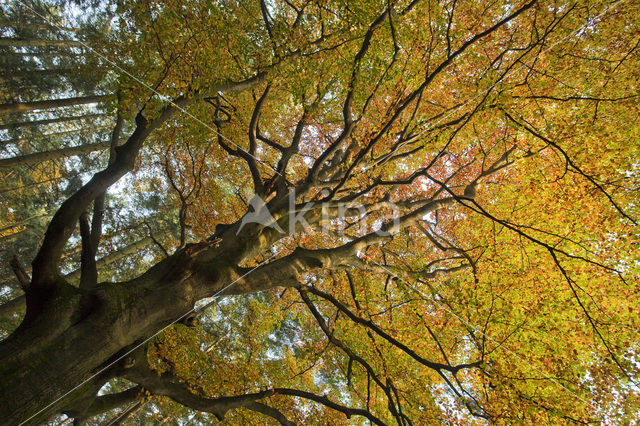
<point>114,257</point>
<point>32,26</point>
<point>54,103</point>
<point>36,74</point>
<point>14,124</point>
<point>60,53</point>
<point>39,157</point>
<point>19,42</point>
<point>47,136</point>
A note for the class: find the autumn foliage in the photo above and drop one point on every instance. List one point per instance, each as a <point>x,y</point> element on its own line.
<point>495,143</point>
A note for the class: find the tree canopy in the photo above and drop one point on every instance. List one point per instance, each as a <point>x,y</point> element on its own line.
<point>320,212</point>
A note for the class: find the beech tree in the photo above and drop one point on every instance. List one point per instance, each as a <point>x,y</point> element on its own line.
<point>387,212</point>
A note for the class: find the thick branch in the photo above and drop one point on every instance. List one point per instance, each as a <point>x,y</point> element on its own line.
<point>105,403</point>
<point>98,204</point>
<point>171,386</point>
<point>267,410</point>
<point>45,265</point>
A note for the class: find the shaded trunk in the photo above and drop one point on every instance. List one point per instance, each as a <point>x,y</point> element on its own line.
<point>54,103</point>
<point>42,54</point>
<point>14,124</point>
<point>21,42</point>
<point>39,157</point>
<point>34,26</point>
<point>66,346</point>
<point>48,136</point>
<point>17,304</point>
<point>57,72</point>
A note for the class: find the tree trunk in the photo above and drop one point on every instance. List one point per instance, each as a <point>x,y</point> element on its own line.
<point>34,26</point>
<point>56,362</point>
<point>14,305</point>
<point>47,136</point>
<point>54,103</point>
<point>70,339</point>
<point>36,74</point>
<point>20,42</point>
<point>14,124</point>
<point>39,157</point>
<point>40,55</point>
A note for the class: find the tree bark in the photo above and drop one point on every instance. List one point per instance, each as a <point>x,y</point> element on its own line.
<point>34,26</point>
<point>47,136</point>
<point>16,304</point>
<point>32,123</point>
<point>71,337</point>
<point>54,103</point>
<point>104,403</point>
<point>36,74</point>
<point>40,157</point>
<point>20,42</point>
<point>75,335</point>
